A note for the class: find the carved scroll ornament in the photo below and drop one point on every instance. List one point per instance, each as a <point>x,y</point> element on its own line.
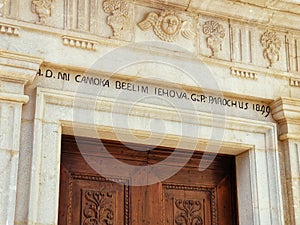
<point>272,45</point>
<point>42,8</point>
<point>189,212</point>
<point>98,209</point>
<point>167,26</point>
<point>216,34</point>
<point>118,18</point>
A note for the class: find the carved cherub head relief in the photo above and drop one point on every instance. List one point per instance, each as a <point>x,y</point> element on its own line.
<point>170,23</point>
<point>167,25</point>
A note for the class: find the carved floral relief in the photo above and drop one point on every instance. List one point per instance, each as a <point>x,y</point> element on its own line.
<point>118,18</point>
<point>215,35</point>
<point>188,212</point>
<point>42,8</point>
<point>98,208</point>
<point>167,26</point>
<point>272,45</point>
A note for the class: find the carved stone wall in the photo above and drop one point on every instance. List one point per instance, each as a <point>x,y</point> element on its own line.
<point>252,49</point>
<point>200,33</point>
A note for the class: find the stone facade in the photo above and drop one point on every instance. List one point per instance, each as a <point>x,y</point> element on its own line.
<point>228,68</point>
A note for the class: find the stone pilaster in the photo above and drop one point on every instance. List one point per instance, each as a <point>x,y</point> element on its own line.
<point>286,112</point>
<point>15,71</point>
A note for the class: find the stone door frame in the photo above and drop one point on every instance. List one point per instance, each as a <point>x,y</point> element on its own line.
<point>253,142</point>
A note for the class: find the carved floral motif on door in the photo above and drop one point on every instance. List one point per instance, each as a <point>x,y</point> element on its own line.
<point>97,207</point>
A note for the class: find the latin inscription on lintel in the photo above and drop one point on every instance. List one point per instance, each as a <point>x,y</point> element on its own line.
<point>198,98</point>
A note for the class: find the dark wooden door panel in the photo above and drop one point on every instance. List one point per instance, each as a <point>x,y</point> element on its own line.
<point>87,199</point>
<point>190,197</point>
<point>188,205</point>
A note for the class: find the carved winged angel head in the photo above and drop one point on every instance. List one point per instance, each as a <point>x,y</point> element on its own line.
<point>167,25</point>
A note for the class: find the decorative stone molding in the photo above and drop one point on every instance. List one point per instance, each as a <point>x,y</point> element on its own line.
<point>216,34</point>
<point>43,8</point>
<point>79,43</point>
<point>167,26</point>
<point>258,150</point>
<point>118,18</point>
<point>8,29</point>
<point>294,82</point>
<point>286,112</point>
<point>243,73</point>
<point>16,70</point>
<point>272,45</point>
<point>17,67</point>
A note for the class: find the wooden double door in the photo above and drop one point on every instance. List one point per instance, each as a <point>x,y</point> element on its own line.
<point>190,197</point>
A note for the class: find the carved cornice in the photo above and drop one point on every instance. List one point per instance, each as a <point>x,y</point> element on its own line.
<point>286,112</point>
<point>235,7</point>
<point>283,14</point>
<point>79,43</point>
<point>18,67</point>
<point>294,82</point>
<point>286,109</point>
<point>181,4</point>
<point>243,73</point>
<point>14,97</point>
<point>281,5</point>
<point>9,30</point>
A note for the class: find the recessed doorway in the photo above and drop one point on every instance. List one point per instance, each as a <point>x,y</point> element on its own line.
<point>189,197</point>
